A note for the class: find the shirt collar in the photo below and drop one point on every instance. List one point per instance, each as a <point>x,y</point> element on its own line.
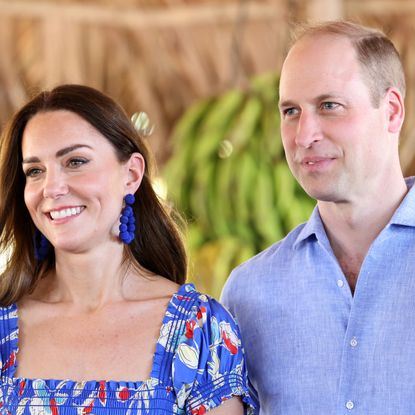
<point>404,215</point>
<point>313,227</point>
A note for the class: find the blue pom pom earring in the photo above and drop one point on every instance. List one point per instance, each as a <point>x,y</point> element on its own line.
<point>127,220</point>
<point>41,245</point>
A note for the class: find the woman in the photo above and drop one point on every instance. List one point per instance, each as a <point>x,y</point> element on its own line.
<point>96,318</point>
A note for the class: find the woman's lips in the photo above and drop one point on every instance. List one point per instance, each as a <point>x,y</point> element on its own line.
<point>65,212</point>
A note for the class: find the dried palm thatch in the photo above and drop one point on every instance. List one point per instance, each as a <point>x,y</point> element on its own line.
<point>153,56</point>
<point>162,55</point>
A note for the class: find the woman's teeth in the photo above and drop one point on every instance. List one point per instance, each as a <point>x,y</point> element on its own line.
<point>64,213</point>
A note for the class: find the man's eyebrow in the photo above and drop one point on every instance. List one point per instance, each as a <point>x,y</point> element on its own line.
<point>285,104</point>
<point>323,97</point>
<point>59,153</point>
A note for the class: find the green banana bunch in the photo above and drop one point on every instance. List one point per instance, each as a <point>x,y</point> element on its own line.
<point>183,139</point>
<point>215,125</point>
<point>228,175</point>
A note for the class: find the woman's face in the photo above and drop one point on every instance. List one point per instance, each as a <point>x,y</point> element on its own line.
<point>74,182</point>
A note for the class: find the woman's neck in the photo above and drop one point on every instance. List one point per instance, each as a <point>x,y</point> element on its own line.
<point>89,279</point>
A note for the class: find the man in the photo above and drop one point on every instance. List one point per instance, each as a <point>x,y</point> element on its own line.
<point>328,314</point>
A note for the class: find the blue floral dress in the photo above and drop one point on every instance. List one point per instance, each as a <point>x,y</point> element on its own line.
<point>198,363</point>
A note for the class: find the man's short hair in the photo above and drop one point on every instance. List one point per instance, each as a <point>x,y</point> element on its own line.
<point>380,61</point>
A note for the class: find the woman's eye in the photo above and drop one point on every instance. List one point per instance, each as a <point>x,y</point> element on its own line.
<point>76,162</point>
<point>33,172</point>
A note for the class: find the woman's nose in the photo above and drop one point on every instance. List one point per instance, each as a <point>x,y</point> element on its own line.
<point>54,185</point>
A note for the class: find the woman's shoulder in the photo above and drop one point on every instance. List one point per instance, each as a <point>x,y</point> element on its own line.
<point>8,336</point>
<point>8,313</point>
<point>8,323</point>
<point>209,365</point>
<point>207,321</point>
<point>203,303</point>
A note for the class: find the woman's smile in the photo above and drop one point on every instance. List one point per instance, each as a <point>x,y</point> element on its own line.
<point>65,212</point>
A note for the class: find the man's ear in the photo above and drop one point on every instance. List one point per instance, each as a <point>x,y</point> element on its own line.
<point>135,168</point>
<point>396,110</point>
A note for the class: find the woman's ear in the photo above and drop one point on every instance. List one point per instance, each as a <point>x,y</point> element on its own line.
<point>396,110</point>
<point>135,168</point>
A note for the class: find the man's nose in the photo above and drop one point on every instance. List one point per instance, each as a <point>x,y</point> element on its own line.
<point>308,130</point>
<point>54,184</point>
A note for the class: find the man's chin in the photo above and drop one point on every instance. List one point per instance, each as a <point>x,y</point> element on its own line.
<point>325,194</point>
<point>323,188</point>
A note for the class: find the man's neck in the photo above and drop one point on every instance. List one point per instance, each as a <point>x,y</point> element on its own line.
<point>352,226</point>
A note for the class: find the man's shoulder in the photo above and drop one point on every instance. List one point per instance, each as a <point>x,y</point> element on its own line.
<point>278,253</point>
<point>248,283</point>
<point>275,251</point>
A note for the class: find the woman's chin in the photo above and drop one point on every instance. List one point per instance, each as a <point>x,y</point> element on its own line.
<point>69,247</point>
<point>83,247</point>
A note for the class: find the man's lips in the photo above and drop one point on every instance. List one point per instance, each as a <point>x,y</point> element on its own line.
<point>316,164</point>
<point>64,212</point>
<point>316,160</point>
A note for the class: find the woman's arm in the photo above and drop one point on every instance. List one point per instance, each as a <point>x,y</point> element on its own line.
<point>232,406</point>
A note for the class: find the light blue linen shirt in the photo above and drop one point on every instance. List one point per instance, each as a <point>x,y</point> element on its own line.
<point>312,347</point>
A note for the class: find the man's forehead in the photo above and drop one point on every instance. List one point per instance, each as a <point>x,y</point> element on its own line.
<point>320,57</point>
<point>324,65</point>
<point>318,46</point>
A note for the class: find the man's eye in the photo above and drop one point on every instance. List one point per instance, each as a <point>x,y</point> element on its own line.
<point>289,112</point>
<point>329,105</point>
<point>76,162</point>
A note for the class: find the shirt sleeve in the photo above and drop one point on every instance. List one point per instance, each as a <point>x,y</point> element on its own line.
<point>209,364</point>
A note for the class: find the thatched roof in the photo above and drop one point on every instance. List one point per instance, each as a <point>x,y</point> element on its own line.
<point>162,55</point>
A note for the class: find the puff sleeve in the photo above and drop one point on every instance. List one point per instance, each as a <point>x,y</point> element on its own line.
<point>209,364</point>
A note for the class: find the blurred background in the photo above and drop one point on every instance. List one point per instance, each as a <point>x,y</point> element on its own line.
<point>206,72</point>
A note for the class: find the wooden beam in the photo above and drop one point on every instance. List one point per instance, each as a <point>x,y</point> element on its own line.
<point>136,18</point>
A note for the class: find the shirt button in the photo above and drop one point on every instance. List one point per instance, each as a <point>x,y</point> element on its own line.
<point>353,342</point>
<point>340,283</point>
<point>349,405</point>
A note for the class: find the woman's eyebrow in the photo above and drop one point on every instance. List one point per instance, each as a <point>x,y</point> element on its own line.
<point>59,153</point>
<point>67,150</point>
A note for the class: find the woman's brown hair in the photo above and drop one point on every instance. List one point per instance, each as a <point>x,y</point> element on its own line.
<point>158,246</point>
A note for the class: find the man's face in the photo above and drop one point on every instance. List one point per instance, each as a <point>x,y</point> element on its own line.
<point>336,143</point>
